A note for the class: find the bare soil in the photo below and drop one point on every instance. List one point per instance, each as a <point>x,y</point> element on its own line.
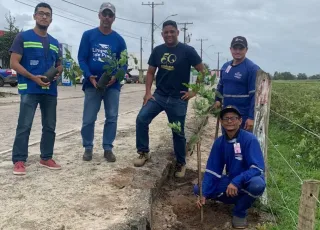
<point>175,208</point>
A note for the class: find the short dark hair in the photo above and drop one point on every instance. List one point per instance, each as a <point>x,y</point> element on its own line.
<point>170,23</point>
<point>43,4</point>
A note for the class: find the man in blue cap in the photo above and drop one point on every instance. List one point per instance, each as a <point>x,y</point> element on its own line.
<point>244,180</point>
<point>237,82</point>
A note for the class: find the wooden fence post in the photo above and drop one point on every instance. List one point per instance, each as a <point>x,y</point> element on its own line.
<point>308,205</point>
<point>261,116</point>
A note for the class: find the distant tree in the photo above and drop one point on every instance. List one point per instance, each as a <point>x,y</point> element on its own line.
<point>7,39</point>
<point>302,76</point>
<point>316,76</point>
<point>206,65</point>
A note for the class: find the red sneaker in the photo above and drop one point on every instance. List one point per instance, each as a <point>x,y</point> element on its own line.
<point>50,164</point>
<point>19,168</point>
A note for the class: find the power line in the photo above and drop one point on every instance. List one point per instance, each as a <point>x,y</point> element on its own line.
<point>64,11</point>
<point>152,20</point>
<point>84,23</point>
<point>124,19</point>
<point>309,131</point>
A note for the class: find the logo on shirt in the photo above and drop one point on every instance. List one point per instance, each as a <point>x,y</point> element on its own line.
<point>100,52</point>
<point>167,61</point>
<point>238,75</point>
<point>34,62</point>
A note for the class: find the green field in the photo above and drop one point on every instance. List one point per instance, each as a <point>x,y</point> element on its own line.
<point>298,101</point>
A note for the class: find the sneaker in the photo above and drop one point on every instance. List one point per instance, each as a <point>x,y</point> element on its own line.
<point>110,157</point>
<point>19,168</point>
<point>239,223</point>
<point>87,156</point>
<point>50,164</point>
<point>141,159</point>
<point>180,170</point>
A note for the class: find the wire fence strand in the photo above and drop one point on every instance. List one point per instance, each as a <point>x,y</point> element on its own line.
<point>307,130</point>
<point>274,181</point>
<point>275,147</point>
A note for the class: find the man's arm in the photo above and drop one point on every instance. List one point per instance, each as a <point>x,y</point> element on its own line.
<point>214,169</point>
<point>220,88</point>
<point>149,79</point>
<point>200,68</point>
<point>253,158</point>
<point>16,51</point>
<point>252,90</point>
<point>83,55</point>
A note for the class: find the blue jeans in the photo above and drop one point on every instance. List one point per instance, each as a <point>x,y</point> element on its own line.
<point>92,104</point>
<point>176,110</point>
<point>28,106</point>
<point>247,194</point>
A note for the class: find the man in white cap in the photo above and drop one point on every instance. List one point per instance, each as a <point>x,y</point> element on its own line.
<point>94,47</point>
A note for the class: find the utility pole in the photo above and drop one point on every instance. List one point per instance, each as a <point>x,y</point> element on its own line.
<point>201,40</point>
<point>185,29</point>
<point>141,78</point>
<point>152,21</point>
<point>218,67</point>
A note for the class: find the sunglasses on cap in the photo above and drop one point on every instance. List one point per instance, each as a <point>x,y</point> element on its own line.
<point>107,13</point>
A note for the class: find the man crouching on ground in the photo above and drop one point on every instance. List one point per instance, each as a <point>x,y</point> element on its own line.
<point>173,60</point>
<point>244,181</point>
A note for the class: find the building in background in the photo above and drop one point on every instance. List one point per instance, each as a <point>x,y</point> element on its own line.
<point>134,68</point>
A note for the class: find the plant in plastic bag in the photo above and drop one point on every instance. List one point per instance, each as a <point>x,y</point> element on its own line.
<point>114,67</point>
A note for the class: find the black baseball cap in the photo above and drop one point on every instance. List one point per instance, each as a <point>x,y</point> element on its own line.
<point>170,23</point>
<point>239,40</point>
<point>229,109</point>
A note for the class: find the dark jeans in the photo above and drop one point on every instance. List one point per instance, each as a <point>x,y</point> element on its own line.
<point>247,194</point>
<point>92,104</point>
<point>176,110</point>
<point>28,106</point>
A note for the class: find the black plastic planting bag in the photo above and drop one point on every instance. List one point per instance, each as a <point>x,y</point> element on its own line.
<point>50,74</point>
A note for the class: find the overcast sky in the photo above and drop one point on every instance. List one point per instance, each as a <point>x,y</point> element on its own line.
<point>283,35</point>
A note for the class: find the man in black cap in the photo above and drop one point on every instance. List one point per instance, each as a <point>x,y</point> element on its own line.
<point>244,180</point>
<point>237,82</point>
<point>173,61</point>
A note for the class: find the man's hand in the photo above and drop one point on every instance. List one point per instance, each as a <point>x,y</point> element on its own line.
<point>232,190</point>
<point>37,79</point>
<point>187,95</point>
<point>112,81</point>
<point>93,80</point>
<point>217,105</point>
<point>60,69</point>
<point>147,97</point>
<point>249,125</point>
<point>201,202</point>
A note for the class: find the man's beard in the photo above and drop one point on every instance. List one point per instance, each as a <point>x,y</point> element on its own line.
<point>41,27</point>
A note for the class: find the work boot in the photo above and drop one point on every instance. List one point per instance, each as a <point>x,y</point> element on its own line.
<point>180,170</point>
<point>141,159</point>
<point>110,157</point>
<point>87,156</point>
<point>239,223</point>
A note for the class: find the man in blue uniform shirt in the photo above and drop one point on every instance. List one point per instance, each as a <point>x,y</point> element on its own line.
<point>238,82</point>
<point>94,48</point>
<point>33,52</point>
<point>244,181</point>
<point>173,61</point>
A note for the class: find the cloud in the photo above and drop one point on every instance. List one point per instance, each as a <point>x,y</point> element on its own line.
<point>282,35</point>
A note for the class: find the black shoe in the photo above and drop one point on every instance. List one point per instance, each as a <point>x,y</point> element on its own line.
<point>87,156</point>
<point>110,157</point>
